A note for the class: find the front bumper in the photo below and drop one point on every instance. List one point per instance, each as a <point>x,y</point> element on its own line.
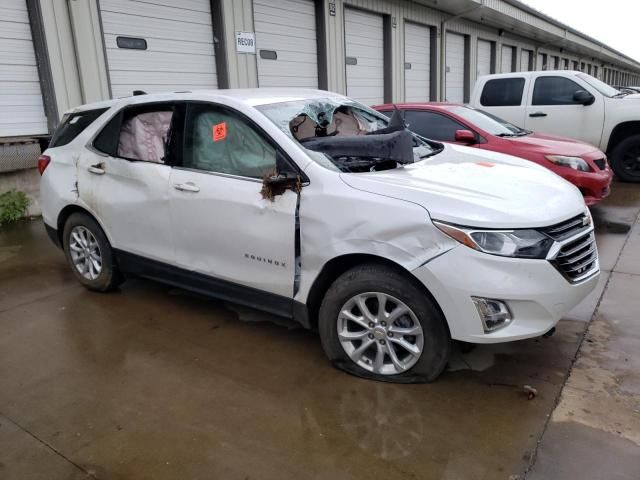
<point>535,291</point>
<point>595,186</point>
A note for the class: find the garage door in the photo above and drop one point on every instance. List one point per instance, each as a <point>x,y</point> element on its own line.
<point>364,45</point>
<point>506,61</point>
<point>484,58</point>
<point>286,42</point>
<point>21,107</point>
<point>541,63</point>
<point>455,67</point>
<point>525,60</point>
<point>417,62</point>
<point>156,45</point>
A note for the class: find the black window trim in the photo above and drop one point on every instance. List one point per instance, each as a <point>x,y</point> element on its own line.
<point>304,179</point>
<point>120,111</point>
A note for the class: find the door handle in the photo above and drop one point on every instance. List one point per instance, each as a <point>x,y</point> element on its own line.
<point>187,187</point>
<point>538,114</point>
<point>98,169</point>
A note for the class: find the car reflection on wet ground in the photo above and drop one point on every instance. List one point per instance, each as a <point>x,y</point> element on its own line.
<point>155,382</point>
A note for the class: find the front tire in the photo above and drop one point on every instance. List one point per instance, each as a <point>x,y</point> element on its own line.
<point>89,253</point>
<point>625,159</point>
<point>376,323</point>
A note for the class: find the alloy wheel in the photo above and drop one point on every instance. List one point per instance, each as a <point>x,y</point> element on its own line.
<point>85,252</point>
<point>380,333</point>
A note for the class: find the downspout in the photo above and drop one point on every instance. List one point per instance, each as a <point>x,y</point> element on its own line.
<point>443,46</point>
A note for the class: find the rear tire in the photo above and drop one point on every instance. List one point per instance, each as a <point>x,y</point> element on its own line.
<point>625,159</point>
<point>409,330</point>
<point>89,253</point>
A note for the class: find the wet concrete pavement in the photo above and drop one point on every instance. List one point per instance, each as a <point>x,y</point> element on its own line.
<point>594,432</point>
<point>154,382</point>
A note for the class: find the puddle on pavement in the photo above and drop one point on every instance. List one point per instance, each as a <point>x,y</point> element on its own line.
<point>156,380</point>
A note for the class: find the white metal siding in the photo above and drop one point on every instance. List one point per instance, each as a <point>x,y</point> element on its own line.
<point>21,106</point>
<point>525,58</point>
<point>417,57</point>
<point>180,52</point>
<point>455,67</point>
<point>506,62</point>
<point>484,57</point>
<point>364,41</point>
<point>287,27</point>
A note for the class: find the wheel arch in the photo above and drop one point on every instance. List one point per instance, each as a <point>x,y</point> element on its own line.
<point>622,131</point>
<point>341,264</point>
<point>69,210</point>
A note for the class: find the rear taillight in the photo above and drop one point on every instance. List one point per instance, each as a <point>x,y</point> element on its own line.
<point>43,162</point>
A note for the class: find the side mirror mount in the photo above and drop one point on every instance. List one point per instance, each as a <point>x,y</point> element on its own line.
<point>465,136</point>
<point>583,97</point>
<point>274,184</point>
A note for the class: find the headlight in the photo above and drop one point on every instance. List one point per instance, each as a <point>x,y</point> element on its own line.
<point>506,243</point>
<point>576,163</point>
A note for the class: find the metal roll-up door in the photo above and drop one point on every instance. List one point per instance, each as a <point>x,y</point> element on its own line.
<point>21,105</point>
<point>484,57</point>
<point>455,67</point>
<point>158,45</point>
<point>417,63</point>
<point>506,61</point>
<point>364,45</point>
<point>286,42</point>
<point>525,60</point>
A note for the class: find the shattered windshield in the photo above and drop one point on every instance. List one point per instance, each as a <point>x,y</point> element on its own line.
<point>349,137</point>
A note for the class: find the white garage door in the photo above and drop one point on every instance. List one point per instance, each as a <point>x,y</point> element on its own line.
<point>455,67</point>
<point>364,44</point>
<point>541,63</point>
<point>484,58</point>
<point>21,107</point>
<point>417,62</point>
<point>506,63</point>
<point>525,58</point>
<point>179,52</point>
<point>286,42</point>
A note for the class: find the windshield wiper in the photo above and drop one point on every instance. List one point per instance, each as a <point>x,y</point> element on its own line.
<point>621,94</point>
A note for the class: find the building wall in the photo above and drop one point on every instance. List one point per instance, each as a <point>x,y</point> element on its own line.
<point>79,71</point>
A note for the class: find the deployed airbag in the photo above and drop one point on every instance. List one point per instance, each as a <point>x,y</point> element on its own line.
<point>396,146</point>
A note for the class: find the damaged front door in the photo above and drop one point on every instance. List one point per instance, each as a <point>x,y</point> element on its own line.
<point>223,226</point>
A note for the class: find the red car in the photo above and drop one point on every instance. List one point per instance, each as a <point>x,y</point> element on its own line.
<point>580,163</point>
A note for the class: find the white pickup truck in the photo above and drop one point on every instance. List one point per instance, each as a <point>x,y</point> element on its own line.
<point>571,104</point>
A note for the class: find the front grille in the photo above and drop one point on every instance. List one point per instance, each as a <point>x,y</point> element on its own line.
<point>601,163</point>
<point>578,258</point>
<point>568,228</point>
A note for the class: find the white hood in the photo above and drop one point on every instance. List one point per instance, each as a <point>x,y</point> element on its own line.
<point>472,187</point>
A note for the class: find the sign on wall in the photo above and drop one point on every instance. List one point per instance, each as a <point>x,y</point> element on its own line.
<point>246,42</point>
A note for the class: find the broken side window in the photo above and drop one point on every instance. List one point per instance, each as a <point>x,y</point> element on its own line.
<point>139,133</point>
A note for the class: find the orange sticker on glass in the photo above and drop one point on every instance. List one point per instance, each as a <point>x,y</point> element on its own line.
<point>219,131</point>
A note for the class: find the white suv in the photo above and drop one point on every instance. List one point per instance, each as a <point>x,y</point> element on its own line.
<point>308,205</point>
<point>572,104</point>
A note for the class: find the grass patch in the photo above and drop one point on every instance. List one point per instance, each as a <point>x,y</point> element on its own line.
<point>13,206</point>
